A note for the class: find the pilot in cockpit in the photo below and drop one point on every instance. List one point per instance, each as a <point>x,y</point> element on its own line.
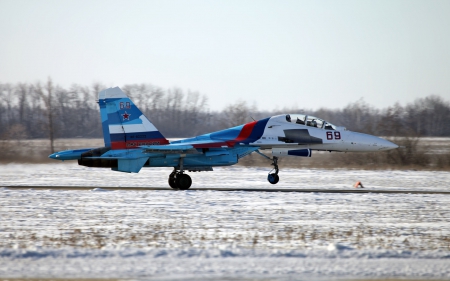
<point>288,118</point>
<point>328,126</point>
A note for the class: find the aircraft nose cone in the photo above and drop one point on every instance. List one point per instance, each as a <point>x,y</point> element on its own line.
<point>387,145</point>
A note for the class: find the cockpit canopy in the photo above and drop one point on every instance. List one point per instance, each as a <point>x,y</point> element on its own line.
<point>311,121</point>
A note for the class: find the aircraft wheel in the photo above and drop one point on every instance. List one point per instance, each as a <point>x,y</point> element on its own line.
<point>273,178</point>
<point>183,181</point>
<point>172,182</point>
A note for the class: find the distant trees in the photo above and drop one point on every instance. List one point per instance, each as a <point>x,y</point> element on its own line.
<point>237,113</point>
<point>428,116</point>
<point>424,117</point>
<point>46,111</point>
<point>50,111</point>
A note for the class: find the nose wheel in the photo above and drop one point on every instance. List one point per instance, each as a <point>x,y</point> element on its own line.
<point>273,178</point>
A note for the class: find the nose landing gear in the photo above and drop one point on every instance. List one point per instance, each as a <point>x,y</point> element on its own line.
<point>273,178</point>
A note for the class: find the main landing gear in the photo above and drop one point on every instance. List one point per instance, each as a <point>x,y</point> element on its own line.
<point>273,178</point>
<point>178,179</point>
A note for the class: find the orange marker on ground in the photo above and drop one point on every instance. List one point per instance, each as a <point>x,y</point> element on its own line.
<point>358,184</point>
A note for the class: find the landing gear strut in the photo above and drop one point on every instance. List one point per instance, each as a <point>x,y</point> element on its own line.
<point>178,179</point>
<point>273,178</point>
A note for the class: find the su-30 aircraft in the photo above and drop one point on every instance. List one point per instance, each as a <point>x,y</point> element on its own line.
<point>133,142</point>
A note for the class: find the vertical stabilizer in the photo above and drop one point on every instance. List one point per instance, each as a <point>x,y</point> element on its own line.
<point>124,126</point>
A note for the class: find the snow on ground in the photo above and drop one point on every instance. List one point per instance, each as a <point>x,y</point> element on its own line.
<point>70,174</point>
<point>184,235</point>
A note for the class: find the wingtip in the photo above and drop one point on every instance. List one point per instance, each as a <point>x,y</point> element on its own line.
<point>109,93</point>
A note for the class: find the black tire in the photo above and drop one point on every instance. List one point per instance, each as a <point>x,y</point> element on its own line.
<point>172,181</point>
<point>183,181</point>
<point>273,178</point>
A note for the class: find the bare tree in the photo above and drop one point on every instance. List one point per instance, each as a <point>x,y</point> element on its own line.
<point>97,87</point>
<point>2,117</point>
<point>172,114</point>
<point>22,92</point>
<point>47,98</point>
<point>8,99</point>
<point>237,114</point>
<point>359,116</point>
<point>392,122</point>
<point>429,116</point>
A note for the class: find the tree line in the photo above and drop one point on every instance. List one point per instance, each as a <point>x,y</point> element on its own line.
<point>46,110</point>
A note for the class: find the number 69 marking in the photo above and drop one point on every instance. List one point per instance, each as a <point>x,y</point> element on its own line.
<point>337,135</point>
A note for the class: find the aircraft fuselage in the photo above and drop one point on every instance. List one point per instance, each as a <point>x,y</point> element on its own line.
<point>133,142</point>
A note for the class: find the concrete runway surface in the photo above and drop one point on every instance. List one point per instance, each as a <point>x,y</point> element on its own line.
<point>356,190</point>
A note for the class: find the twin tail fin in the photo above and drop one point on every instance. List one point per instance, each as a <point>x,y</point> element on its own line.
<point>124,126</point>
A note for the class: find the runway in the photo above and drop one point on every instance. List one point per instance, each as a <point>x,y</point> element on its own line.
<point>89,230</point>
<point>316,190</point>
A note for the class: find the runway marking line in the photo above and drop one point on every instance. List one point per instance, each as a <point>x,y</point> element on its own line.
<point>232,189</point>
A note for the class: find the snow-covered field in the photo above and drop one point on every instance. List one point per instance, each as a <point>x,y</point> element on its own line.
<point>185,235</point>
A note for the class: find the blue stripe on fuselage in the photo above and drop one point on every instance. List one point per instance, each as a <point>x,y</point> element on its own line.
<point>227,134</point>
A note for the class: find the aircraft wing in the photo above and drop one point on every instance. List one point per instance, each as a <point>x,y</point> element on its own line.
<point>188,147</point>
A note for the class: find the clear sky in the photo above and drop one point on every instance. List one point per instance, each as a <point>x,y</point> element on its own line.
<point>275,53</point>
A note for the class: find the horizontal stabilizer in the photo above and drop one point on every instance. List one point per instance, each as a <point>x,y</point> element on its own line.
<point>130,165</point>
<point>112,158</point>
<point>69,154</point>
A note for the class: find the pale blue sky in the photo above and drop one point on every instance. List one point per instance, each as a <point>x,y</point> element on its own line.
<point>276,53</point>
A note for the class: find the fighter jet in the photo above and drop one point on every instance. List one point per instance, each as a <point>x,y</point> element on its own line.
<point>132,142</point>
